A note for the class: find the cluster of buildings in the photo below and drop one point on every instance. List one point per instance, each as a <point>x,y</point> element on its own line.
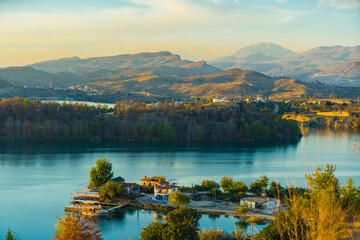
<point>92,194</point>
<point>162,188</point>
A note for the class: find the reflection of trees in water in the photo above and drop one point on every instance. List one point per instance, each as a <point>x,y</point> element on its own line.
<point>129,211</point>
<point>356,148</point>
<point>214,216</point>
<point>73,147</point>
<point>245,226</point>
<point>30,153</point>
<point>242,225</point>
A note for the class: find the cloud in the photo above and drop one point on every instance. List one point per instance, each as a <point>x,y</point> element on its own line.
<point>201,27</point>
<point>286,19</point>
<point>281,1</point>
<point>340,4</point>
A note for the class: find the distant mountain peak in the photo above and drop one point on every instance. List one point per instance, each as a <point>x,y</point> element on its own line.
<point>267,49</point>
<point>233,71</point>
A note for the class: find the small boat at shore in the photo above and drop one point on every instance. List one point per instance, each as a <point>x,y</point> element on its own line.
<point>88,208</point>
<point>94,211</point>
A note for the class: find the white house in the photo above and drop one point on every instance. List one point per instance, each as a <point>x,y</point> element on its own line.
<point>161,192</point>
<point>261,202</point>
<point>220,100</point>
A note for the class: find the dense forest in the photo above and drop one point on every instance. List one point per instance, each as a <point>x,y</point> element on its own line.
<point>24,119</point>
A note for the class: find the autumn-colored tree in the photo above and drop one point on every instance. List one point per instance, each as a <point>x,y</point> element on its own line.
<point>73,227</point>
<point>324,212</point>
<point>210,184</point>
<point>10,235</point>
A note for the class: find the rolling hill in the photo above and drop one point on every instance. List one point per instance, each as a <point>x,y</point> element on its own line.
<point>233,83</point>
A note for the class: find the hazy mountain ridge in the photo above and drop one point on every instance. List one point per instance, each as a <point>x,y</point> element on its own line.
<point>262,52</point>
<point>27,76</point>
<point>151,76</point>
<point>140,60</point>
<point>316,64</point>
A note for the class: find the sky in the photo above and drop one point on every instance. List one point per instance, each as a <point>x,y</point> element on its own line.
<point>37,30</point>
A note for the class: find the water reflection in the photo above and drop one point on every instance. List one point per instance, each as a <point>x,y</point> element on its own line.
<point>27,148</point>
<point>36,177</point>
<point>129,222</point>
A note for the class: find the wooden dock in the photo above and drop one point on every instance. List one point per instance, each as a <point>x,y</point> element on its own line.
<point>114,208</point>
<point>76,208</point>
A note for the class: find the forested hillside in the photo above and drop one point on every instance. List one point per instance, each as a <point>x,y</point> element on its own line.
<point>132,121</point>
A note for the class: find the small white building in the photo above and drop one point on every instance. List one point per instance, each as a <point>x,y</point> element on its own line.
<point>260,99</point>
<point>261,202</point>
<point>161,192</point>
<point>220,100</point>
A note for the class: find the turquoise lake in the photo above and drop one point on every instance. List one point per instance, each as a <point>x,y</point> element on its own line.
<point>36,178</point>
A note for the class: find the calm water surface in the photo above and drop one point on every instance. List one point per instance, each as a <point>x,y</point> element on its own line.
<point>36,177</point>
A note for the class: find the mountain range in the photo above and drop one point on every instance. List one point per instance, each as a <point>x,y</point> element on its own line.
<point>329,65</point>
<point>152,76</point>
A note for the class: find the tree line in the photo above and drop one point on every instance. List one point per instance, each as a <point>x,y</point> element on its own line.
<point>24,119</point>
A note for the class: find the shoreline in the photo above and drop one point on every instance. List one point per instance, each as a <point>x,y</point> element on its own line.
<point>166,208</point>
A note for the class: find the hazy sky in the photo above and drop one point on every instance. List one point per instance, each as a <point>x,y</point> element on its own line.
<point>34,30</point>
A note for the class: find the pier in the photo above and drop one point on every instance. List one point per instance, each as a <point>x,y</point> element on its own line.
<point>78,205</point>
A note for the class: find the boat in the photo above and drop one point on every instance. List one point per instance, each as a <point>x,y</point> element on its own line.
<point>89,209</point>
<point>94,211</point>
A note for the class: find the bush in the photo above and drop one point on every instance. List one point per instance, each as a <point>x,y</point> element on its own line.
<point>112,191</point>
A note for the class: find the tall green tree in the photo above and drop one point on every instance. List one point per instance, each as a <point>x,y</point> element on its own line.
<point>209,184</point>
<point>238,188</point>
<point>350,196</point>
<point>259,186</point>
<point>154,231</point>
<point>323,179</point>
<point>242,210</point>
<point>275,190</point>
<point>101,173</point>
<point>183,224</point>
<point>226,182</point>
<point>178,199</point>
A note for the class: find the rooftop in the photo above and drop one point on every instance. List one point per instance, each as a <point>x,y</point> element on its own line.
<point>166,187</point>
<point>87,192</point>
<point>118,179</point>
<point>127,184</point>
<point>154,180</point>
<point>258,199</point>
